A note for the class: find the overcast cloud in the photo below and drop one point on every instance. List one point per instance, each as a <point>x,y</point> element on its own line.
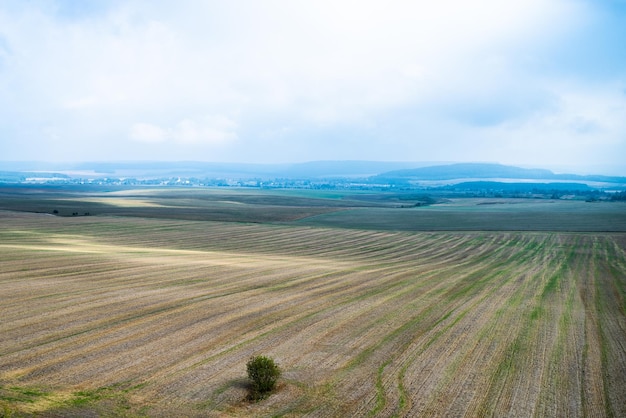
<point>527,82</point>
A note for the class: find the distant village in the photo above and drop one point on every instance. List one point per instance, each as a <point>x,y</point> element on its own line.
<point>564,191</point>
<point>339,183</point>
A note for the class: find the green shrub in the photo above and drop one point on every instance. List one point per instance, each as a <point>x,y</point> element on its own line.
<point>263,372</point>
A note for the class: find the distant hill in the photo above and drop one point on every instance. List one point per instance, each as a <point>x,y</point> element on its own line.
<point>469,170</point>
<point>346,168</point>
<point>486,171</point>
<point>313,169</point>
<point>147,169</point>
<point>373,172</point>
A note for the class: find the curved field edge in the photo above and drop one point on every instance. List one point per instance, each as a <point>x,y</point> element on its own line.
<point>154,317</point>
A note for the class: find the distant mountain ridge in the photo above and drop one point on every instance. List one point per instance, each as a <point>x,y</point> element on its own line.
<point>488,171</point>
<point>365,171</point>
<point>312,169</point>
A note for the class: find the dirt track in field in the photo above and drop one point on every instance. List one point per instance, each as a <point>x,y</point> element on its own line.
<point>163,316</point>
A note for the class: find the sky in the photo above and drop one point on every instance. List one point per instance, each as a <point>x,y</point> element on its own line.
<point>537,83</point>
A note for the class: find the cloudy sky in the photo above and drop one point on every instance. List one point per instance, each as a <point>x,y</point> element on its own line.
<point>526,82</point>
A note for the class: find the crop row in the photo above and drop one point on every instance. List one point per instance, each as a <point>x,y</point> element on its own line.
<point>362,322</point>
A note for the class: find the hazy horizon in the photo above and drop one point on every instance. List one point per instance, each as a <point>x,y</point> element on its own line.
<point>534,83</point>
<point>363,165</point>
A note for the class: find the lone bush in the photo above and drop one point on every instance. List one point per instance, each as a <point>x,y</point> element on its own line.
<point>263,372</point>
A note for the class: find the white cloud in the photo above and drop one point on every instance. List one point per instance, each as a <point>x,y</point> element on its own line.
<point>146,132</point>
<point>388,75</point>
<point>215,130</point>
<point>275,53</point>
<point>210,130</point>
<point>583,125</point>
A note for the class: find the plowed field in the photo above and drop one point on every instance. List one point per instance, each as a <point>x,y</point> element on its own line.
<point>146,317</point>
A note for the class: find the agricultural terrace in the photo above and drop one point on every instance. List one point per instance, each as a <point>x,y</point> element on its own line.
<point>121,316</point>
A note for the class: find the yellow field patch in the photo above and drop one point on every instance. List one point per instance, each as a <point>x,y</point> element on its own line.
<point>122,202</point>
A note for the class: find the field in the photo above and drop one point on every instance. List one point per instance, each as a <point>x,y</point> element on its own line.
<point>154,313</point>
<point>394,211</point>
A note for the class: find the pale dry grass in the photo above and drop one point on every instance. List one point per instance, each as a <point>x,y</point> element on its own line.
<point>122,202</point>
<point>165,314</point>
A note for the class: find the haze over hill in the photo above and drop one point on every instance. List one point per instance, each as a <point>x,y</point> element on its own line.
<point>363,172</point>
<point>313,169</point>
<point>490,171</point>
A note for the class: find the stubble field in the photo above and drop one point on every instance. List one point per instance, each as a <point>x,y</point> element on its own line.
<point>116,316</point>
